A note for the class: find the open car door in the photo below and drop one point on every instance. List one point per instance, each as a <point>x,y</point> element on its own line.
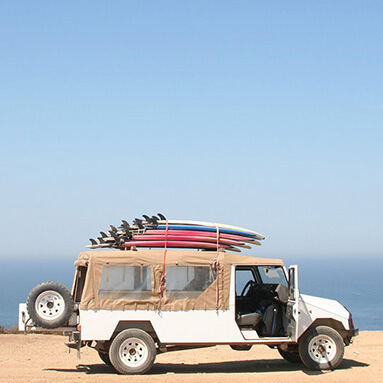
<point>292,311</point>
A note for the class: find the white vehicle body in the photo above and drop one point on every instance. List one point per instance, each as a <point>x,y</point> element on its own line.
<point>207,326</point>
<point>186,324</point>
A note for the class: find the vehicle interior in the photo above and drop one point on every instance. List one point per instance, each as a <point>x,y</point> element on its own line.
<point>261,299</point>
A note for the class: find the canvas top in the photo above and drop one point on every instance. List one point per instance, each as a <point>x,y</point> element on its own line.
<point>173,257</point>
<point>100,265</point>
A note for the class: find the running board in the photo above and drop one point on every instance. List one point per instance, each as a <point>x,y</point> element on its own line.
<point>253,336</point>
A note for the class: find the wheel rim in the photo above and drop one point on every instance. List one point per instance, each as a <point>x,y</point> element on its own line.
<point>322,349</point>
<point>133,352</point>
<point>50,305</point>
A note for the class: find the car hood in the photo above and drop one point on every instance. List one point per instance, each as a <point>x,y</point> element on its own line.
<point>328,305</point>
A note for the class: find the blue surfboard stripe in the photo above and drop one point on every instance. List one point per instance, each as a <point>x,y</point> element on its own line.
<point>207,228</point>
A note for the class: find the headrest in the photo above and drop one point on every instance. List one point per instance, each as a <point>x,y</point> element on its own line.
<point>282,293</point>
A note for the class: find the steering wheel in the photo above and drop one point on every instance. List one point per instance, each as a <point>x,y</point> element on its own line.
<point>249,285</point>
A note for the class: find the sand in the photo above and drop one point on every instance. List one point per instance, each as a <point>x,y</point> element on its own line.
<point>44,358</point>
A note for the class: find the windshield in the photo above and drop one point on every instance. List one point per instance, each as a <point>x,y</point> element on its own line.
<point>272,275</point>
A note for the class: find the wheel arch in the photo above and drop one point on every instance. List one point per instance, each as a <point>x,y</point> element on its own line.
<point>330,322</point>
<point>141,325</point>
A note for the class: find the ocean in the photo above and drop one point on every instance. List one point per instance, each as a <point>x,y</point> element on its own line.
<point>356,282</point>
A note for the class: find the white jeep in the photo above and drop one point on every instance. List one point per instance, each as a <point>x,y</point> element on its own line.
<point>131,305</point>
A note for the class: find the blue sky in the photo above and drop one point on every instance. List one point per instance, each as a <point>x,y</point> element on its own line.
<point>266,115</point>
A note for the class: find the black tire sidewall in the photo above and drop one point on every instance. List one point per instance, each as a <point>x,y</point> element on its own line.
<point>117,342</point>
<point>304,348</point>
<point>289,356</point>
<point>104,356</point>
<point>68,304</point>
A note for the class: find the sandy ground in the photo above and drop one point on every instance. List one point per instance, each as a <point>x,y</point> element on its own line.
<point>45,358</point>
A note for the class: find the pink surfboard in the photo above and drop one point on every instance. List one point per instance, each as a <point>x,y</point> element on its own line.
<point>192,238</point>
<point>203,234</point>
<point>180,244</point>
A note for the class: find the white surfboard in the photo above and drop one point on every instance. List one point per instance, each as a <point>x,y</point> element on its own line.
<point>210,224</point>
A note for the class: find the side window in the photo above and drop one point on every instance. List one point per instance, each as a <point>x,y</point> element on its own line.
<point>125,282</point>
<point>242,278</point>
<point>188,281</point>
<point>272,275</point>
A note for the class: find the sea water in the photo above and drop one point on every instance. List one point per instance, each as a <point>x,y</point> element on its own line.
<point>356,282</point>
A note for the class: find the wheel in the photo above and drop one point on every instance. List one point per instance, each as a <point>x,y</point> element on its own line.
<point>292,355</point>
<point>50,304</point>
<point>132,352</point>
<point>105,357</point>
<point>321,348</point>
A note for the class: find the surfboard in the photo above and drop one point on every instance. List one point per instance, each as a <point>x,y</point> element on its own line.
<point>99,245</point>
<point>178,244</point>
<point>208,228</point>
<point>154,232</point>
<point>239,238</point>
<point>144,237</point>
<point>204,234</point>
<point>211,224</point>
<point>243,238</point>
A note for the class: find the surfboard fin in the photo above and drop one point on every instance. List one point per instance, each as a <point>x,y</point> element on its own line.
<point>163,218</point>
<point>138,223</point>
<point>152,221</point>
<point>125,226</point>
<point>93,242</point>
<point>113,228</point>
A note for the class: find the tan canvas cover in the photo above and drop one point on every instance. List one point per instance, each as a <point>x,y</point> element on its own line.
<point>96,260</point>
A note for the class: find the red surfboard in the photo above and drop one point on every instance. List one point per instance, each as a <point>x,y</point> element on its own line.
<point>163,237</point>
<point>180,244</point>
<point>203,234</point>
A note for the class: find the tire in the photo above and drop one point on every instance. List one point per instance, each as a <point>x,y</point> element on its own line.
<point>291,356</point>
<point>50,305</point>
<point>241,347</point>
<point>104,356</point>
<point>132,352</point>
<point>321,348</point>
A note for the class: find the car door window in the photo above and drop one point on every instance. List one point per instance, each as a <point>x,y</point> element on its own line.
<point>242,278</point>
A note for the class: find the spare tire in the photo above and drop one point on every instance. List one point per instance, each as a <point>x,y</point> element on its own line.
<point>50,305</point>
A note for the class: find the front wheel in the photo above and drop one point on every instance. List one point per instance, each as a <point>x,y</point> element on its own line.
<point>132,352</point>
<point>321,348</point>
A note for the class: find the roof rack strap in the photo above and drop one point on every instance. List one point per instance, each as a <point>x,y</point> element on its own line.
<point>217,273</point>
<point>163,276</point>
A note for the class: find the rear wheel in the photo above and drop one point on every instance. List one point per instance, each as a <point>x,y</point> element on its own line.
<point>50,304</point>
<point>321,348</point>
<point>132,352</point>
